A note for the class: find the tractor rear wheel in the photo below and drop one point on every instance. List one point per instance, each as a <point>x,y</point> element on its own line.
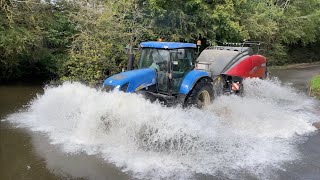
<point>201,95</point>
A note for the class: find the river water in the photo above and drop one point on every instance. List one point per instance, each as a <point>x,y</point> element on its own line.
<point>76,132</point>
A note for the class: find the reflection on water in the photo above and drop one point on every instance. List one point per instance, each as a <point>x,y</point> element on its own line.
<point>13,96</point>
<point>76,165</point>
<point>27,155</point>
<point>18,161</point>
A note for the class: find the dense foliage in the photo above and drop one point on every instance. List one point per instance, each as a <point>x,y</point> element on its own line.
<point>85,39</point>
<point>34,38</point>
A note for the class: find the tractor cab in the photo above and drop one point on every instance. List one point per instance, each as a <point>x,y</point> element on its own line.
<point>171,61</point>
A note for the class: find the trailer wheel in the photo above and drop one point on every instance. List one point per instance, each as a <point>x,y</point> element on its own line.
<point>201,95</point>
<point>241,90</point>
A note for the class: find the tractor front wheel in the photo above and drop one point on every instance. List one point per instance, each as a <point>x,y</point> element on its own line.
<point>201,95</point>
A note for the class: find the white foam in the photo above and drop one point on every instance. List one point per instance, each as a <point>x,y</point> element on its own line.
<point>235,133</point>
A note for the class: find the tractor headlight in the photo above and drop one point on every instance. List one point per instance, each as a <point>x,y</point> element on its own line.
<point>108,88</point>
<point>117,88</point>
<point>124,87</point>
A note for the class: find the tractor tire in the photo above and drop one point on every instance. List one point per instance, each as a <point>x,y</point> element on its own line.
<point>201,95</point>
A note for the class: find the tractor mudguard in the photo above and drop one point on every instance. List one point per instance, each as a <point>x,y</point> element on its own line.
<point>190,80</point>
<point>131,81</point>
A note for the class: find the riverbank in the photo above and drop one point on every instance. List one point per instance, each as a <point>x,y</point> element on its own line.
<point>315,86</point>
<point>299,75</point>
<point>296,66</point>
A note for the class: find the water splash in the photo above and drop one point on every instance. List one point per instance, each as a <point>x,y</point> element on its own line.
<point>260,130</point>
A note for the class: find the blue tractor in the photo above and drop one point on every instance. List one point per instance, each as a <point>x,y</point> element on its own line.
<point>167,72</point>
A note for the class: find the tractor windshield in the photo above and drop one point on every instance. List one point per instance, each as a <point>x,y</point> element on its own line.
<point>159,60</point>
<point>176,62</point>
<point>156,58</point>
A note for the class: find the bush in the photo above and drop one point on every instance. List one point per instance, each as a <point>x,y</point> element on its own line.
<point>315,86</point>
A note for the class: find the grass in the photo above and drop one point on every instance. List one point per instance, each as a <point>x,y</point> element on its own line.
<point>315,86</point>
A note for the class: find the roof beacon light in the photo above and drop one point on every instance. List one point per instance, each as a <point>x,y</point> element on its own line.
<point>199,42</point>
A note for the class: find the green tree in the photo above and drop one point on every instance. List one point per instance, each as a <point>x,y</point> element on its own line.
<point>34,39</point>
<point>84,40</point>
<point>105,29</point>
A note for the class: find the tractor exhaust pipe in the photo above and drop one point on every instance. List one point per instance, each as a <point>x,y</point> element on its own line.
<point>129,50</point>
<point>130,61</point>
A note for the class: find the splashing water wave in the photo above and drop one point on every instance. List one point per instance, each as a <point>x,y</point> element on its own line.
<point>261,129</point>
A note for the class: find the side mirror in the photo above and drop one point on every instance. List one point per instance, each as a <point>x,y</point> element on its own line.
<point>180,53</point>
